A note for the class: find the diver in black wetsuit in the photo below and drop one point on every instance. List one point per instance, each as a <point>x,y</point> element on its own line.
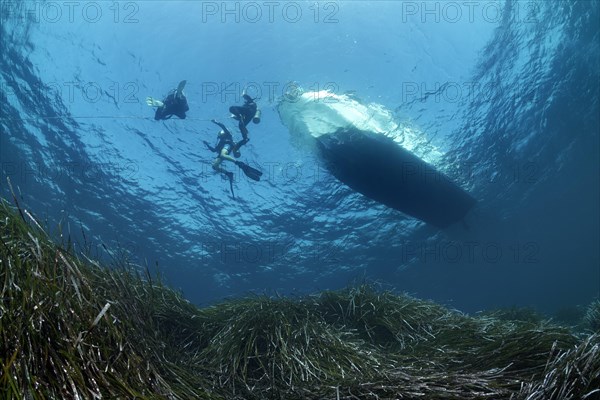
<point>244,114</point>
<point>174,104</point>
<point>226,146</point>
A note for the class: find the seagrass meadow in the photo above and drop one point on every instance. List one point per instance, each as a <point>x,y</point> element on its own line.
<point>71,328</point>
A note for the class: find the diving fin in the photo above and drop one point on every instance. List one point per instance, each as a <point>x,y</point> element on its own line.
<point>250,172</point>
<point>230,177</point>
<point>180,87</point>
<point>153,102</point>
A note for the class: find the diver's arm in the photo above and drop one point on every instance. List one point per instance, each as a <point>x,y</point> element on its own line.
<point>214,121</point>
<point>208,146</point>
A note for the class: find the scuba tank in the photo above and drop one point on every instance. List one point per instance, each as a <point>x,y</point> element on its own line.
<point>256,118</point>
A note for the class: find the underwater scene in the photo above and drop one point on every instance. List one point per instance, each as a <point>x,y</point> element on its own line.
<point>300,199</point>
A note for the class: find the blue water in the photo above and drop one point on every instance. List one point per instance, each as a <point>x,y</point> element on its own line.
<point>506,91</point>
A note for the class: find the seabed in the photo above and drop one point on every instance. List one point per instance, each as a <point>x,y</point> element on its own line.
<point>71,328</point>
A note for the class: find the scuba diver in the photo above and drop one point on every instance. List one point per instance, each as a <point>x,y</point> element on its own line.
<point>244,114</point>
<point>174,104</point>
<point>224,148</point>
